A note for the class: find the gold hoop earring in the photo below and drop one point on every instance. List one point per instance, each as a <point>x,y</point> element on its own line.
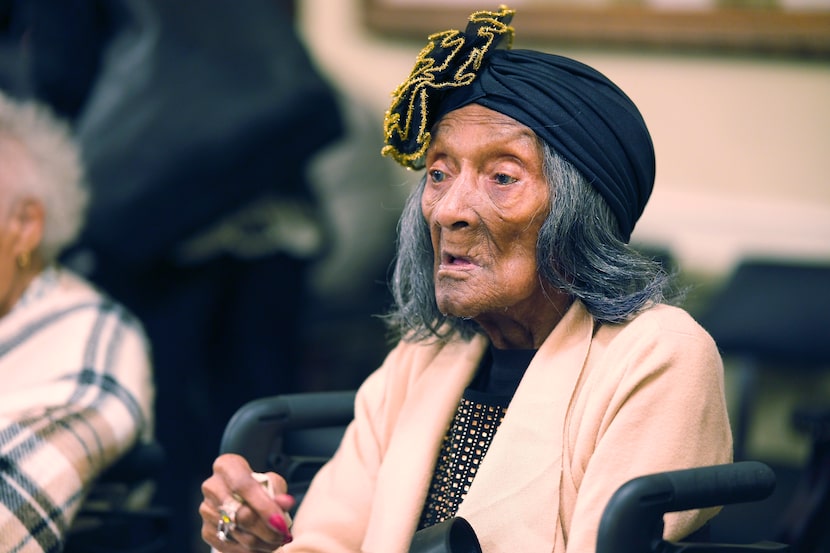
<point>24,259</point>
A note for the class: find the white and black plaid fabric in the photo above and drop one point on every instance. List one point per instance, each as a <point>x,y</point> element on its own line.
<point>76,392</point>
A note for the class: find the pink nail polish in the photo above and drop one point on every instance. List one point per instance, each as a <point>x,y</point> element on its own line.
<point>285,501</point>
<point>277,522</point>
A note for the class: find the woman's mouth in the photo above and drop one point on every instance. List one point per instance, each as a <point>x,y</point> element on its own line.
<point>450,261</point>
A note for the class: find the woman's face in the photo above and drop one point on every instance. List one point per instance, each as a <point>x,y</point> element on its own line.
<point>20,224</point>
<point>9,238</point>
<point>485,200</point>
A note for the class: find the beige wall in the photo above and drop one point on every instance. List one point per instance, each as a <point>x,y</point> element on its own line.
<point>742,144</point>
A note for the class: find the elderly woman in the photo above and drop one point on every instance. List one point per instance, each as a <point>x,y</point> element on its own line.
<point>539,367</point>
<point>76,380</point>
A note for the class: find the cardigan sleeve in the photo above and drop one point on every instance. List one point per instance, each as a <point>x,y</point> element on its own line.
<point>335,511</point>
<point>653,402</point>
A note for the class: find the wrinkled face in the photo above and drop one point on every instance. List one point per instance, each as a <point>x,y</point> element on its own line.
<point>485,200</point>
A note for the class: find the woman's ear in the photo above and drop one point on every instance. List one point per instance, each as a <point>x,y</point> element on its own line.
<point>29,215</point>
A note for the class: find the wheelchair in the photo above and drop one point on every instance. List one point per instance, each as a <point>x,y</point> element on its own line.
<point>295,434</point>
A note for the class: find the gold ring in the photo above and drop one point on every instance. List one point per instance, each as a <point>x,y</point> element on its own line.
<point>227,519</point>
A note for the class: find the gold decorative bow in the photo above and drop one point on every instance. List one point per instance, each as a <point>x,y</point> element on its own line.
<point>451,59</point>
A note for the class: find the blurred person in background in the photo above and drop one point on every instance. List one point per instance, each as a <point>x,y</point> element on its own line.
<point>77,389</point>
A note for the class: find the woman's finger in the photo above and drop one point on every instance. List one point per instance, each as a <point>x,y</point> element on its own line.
<point>242,504</point>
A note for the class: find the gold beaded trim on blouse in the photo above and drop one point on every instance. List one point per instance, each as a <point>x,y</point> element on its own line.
<point>462,451</point>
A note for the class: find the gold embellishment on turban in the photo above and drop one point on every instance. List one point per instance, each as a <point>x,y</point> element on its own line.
<point>450,59</point>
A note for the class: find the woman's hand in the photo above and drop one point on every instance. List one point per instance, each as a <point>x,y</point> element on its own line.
<point>239,513</point>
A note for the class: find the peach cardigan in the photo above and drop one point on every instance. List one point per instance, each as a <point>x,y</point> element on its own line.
<point>598,405</point>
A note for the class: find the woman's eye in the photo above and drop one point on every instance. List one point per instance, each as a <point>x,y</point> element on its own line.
<point>502,178</point>
<point>436,175</point>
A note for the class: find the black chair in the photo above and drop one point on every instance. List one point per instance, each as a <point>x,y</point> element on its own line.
<point>295,434</point>
<point>118,516</point>
<point>774,315</point>
<point>771,312</point>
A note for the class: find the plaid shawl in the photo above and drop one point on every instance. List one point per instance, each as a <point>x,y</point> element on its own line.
<point>76,394</point>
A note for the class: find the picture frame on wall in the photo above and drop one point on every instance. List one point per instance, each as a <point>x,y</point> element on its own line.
<point>792,28</point>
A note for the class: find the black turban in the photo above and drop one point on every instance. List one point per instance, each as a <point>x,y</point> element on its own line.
<point>577,111</point>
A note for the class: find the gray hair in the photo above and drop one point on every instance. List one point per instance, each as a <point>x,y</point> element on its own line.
<point>579,251</point>
<point>56,179</point>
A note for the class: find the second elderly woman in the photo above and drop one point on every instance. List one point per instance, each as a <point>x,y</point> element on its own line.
<point>77,388</point>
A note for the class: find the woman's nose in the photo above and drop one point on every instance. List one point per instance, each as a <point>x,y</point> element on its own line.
<point>454,208</point>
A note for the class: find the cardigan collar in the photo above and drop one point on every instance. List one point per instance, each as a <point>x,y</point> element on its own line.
<point>516,491</point>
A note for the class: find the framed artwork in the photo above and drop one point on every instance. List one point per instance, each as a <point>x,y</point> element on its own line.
<point>794,28</point>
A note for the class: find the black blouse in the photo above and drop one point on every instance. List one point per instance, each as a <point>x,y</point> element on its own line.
<point>479,414</point>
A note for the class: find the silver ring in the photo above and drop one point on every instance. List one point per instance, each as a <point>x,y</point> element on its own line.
<point>227,519</point>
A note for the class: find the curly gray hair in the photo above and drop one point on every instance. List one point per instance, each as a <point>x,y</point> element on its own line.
<point>56,178</point>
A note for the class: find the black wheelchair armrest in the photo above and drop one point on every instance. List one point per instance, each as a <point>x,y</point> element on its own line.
<point>633,519</point>
<point>454,535</point>
<point>293,434</point>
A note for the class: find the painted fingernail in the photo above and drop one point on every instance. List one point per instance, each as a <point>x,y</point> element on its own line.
<point>277,522</point>
<point>285,501</point>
